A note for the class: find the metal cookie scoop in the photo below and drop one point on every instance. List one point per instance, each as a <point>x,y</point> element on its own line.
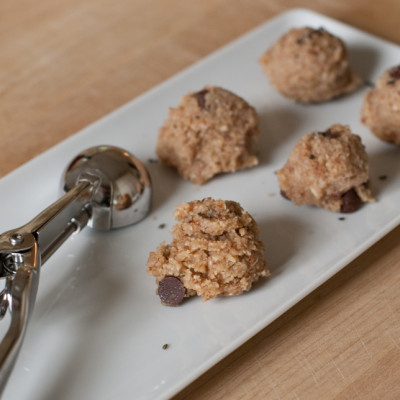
<point>105,187</point>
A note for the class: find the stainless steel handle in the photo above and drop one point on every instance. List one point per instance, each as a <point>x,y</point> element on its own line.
<point>49,229</point>
<point>69,214</point>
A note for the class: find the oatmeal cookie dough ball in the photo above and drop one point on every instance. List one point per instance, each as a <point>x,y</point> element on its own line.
<point>210,132</point>
<point>327,169</point>
<point>381,108</point>
<point>215,251</point>
<point>309,65</point>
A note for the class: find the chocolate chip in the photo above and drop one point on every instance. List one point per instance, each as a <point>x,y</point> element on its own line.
<point>329,134</point>
<point>395,72</point>
<point>312,157</point>
<point>318,32</point>
<point>350,202</point>
<point>165,346</point>
<point>171,291</point>
<point>162,226</point>
<point>201,98</point>
<point>284,195</point>
<point>207,215</point>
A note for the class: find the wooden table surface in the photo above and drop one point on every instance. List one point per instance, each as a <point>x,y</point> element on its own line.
<point>66,63</point>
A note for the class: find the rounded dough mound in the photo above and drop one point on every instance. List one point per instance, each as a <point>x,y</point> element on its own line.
<point>327,169</point>
<point>215,250</point>
<point>210,132</point>
<point>309,65</point>
<point>381,108</point>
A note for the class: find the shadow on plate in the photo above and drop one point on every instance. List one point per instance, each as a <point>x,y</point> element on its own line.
<point>165,181</point>
<point>283,237</point>
<point>384,168</point>
<point>276,126</point>
<point>363,60</point>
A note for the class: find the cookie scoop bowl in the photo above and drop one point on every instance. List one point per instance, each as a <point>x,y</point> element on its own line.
<point>122,195</point>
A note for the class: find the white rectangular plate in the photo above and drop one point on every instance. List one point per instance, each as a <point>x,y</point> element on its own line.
<point>98,329</point>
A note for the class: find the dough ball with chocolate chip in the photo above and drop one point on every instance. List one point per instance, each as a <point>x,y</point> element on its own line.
<point>381,108</point>
<point>211,132</point>
<point>215,251</point>
<point>309,65</point>
<point>327,169</point>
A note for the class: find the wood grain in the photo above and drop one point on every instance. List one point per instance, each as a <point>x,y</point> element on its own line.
<point>66,63</point>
